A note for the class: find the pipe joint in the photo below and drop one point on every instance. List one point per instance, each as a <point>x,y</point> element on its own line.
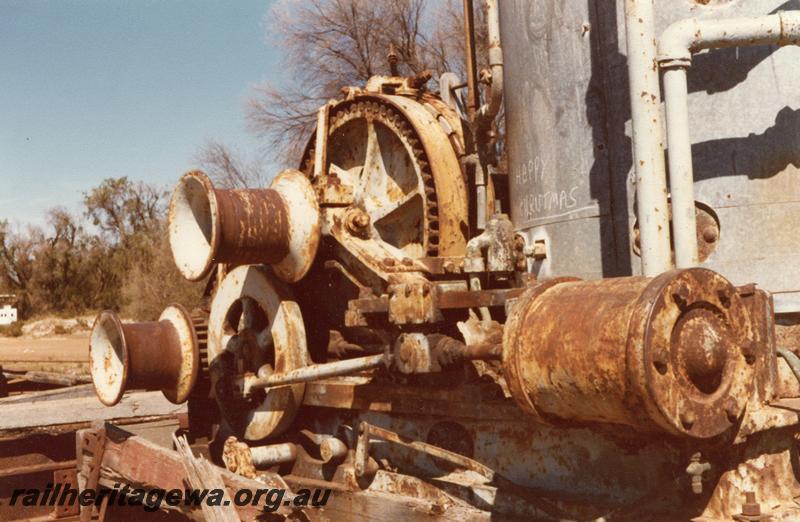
<point>675,45</point>
<point>688,36</point>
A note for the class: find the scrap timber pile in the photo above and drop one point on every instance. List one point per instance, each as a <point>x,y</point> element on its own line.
<point>427,332</point>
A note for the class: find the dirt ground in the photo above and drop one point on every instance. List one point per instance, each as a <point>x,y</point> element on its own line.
<point>47,344</point>
<point>62,348</point>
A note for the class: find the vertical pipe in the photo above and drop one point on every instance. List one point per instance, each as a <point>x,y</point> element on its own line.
<point>490,109</point>
<point>472,73</point>
<point>675,50</point>
<point>648,148</point>
<point>681,177</point>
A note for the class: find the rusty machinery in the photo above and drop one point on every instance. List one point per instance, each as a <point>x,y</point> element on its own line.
<point>374,313</point>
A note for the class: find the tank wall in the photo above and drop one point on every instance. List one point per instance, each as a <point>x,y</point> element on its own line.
<point>569,147</point>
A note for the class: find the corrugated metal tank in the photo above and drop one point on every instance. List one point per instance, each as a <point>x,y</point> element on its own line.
<point>569,146</point>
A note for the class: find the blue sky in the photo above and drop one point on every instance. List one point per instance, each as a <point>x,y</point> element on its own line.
<point>97,89</point>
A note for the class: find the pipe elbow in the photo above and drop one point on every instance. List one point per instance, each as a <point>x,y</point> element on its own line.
<point>677,41</point>
<point>489,111</point>
<point>477,244</point>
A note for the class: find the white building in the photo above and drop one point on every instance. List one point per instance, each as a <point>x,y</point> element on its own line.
<point>8,313</point>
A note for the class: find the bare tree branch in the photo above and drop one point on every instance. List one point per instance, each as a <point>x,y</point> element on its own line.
<point>230,169</point>
<point>330,44</point>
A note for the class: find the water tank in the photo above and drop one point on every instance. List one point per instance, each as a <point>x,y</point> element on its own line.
<point>569,142</point>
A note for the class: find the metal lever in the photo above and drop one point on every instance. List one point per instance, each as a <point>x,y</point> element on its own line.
<point>315,372</point>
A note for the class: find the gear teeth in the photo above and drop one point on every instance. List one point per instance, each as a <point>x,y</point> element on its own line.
<point>199,318</point>
<point>389,116</point>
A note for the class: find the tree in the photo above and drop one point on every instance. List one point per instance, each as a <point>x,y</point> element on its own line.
<point>126,264</point>
<point>139,274</point>
<point>228,168</point>
<point>123,209</point>
<point>330,44</point>
<point>17,262</point>
<point>61,277</point>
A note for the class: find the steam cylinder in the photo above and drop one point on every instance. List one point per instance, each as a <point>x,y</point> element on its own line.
<point>673,353</point>
<point>569,142</point>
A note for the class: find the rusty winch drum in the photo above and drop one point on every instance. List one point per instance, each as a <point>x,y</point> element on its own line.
<point>276,226</point>
<point>160,355</point>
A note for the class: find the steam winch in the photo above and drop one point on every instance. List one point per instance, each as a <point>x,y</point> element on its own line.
<point>430,314</point>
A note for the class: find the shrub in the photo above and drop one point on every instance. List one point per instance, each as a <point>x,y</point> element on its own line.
<point>12,330</point>
<point>60,330</point>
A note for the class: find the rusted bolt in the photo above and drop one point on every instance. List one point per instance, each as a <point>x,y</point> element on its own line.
<point>407,261</point>
<point>357,222</point>
<point>750,508</point>
<point>388,261</point>
<point>681,296</point>
<point>710,234</point>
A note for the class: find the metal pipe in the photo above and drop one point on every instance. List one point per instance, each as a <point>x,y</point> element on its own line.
<point>273,454</point>
<point>648,147</point>
<point>688,36</point>
<point>681,176</point>
<point>675,50</point>
<point>317,371</point>
<point>472,73</point>
<point>332,449</point>
<point>488,111</point>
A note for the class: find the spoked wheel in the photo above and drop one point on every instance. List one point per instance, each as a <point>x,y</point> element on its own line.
<point>415,203</point>
<point>252,324</point>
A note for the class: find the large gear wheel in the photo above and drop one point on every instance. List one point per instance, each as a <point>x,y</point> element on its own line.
<point>403,171</point>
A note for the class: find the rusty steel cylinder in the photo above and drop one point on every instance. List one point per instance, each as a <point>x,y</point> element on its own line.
<point>158,355</point>
<point>674,352</point>
<point>277,226</point>
<point>253,226</point>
